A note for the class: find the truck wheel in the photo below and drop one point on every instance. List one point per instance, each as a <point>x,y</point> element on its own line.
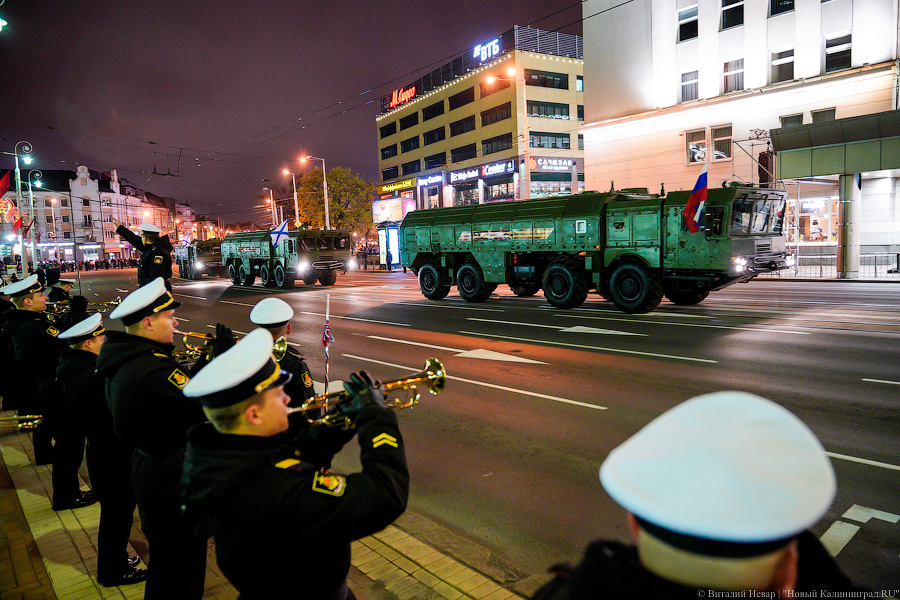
<point>564,284</point>
<point>327,278</point>
<point>265,276</point>
<point>471,284</point>
<point>233,274</point>
<point>281,278</point>
<point>311,278</point>
<point>433,282</point>
<point>525,290</point>
<point>245,277</point>
<point>635,290</point>
<point>686,298</point>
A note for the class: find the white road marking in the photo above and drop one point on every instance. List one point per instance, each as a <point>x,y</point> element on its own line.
<point>882,381</point>
<point>864,514</point>
<point>864,461</point>
<point>619,312</point>
<point>837,536</point>
<point>766,330</point>
<point>121,290</point>
<point>478,353</point>
<point>436,305</point>
<point>236,303</point>
<point>484,384</point>
<point>194,297</point>
<point>356,319</point>
<point>584,347</point>
<point>577,329</point>
<point>180,319</point>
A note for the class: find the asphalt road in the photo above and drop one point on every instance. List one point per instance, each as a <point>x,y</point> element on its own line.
<point>507,457</point>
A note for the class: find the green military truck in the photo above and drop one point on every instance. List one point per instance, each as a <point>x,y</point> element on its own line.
<point>200,258</point>
<point>632,248</point>
<point>310,255</point>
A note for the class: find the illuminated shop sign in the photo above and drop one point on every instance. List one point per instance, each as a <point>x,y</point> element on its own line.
<point>397,185</point>
<point>498,168</point>
<point>431,179</point>
<point>554,164</point>
<point>391,209</point>
<point>400,96</point>
<point>487,51</point>
<point>460,176</point>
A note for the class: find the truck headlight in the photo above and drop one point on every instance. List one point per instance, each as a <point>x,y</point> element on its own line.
<point>739,263</point>
<point>789,260</point>
<point>351,264</point>
<point>302,267</point>
<point>199,265</point>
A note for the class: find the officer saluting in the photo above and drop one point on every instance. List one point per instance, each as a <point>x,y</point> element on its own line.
<point>282,526</point>
<point>156,252</point>
<point>275,315</point>
<point>151,414</point>
<point>108,458</point>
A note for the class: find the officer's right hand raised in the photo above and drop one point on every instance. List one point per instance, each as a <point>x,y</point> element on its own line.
<point>363,392</point>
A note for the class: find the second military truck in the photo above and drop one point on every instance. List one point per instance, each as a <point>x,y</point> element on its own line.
<point>632,248</point>
<point>310,255</point>
<point>199,258</point>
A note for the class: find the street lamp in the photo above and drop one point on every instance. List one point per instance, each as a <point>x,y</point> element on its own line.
<point>272,202</point>
<point>34,173</point>
<point>26,149</point>
<point>177,221</point>
<point>525,185</point>
<point>53,218</point>
<point>324,186</point>
<point>296,205</point>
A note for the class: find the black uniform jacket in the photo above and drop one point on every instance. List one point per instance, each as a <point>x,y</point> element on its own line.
<point>156,259</point>
<point>612,570</point>
<point>57,294</point>
<point>86,397</point>
<point>283,530</point>
<point>143,388</point>
<point>35,348</point>
<point>300,387</point>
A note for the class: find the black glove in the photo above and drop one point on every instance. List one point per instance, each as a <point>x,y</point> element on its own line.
<point>78,304</point>
<point>363,392</point>
<point>223,340</point>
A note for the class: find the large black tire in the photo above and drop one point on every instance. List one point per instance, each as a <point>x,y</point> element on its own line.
<point>685,298</point>
<point>233,274</point>
<point>564,283</point>
<point>525,290</point>
<point>246,278</point>
<point>281,278</point>
<point>634,289</point>
<point>266,277</point>
<point>471,284</point>
<point>327,278</point>
<point>433,282</point>
<point>311,278</point>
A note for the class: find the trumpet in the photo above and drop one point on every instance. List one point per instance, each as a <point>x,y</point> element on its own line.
<point>27,421</point>
<point>433,376</point>
<point>194,351</point>
<point>64,306</point>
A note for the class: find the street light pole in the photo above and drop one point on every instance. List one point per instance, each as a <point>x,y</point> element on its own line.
<point>272,207</point>
<point>53,218</point>
<point>324,186</point>
<point>525,175</point>
<point>296,204</point>
<point>31,202</point>
<point>26,148</point>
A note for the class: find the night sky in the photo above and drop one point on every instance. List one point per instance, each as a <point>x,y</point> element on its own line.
<point>224,94</point>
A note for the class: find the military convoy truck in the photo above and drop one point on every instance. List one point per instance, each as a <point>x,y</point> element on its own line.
<point>200,258</point>
<point>632,248</point>
<point>310,255</point>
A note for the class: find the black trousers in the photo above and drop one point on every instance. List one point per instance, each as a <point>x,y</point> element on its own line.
<point>68,453</point>
<point>110,469</point>
<point>177,567</point>
<point>42,435</point>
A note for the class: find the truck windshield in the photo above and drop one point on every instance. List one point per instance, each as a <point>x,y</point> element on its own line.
<point>757,216</point>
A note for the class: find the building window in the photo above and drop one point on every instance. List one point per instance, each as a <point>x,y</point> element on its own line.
<point>783,66</point>
<point>732,13</point>
<point>462,126</point>
<point>689,86</point>
<point>462,153</point>
<point>88,222</point>
<point>430,112</point>
<point>696,145</point>
<point>389,129</point>
<point>409,144</point>
<point>579,83</point>
<point>496,144</point>
<point>85,201</point>
<point>547,79</point>
<point>46,203</point>
<point>687,24</point>
<point>581,112</point>
<point>66,235</point>
<point>489,88</point>
<point>408,121</point>
<point>106,202</point>
<point>64,202</point>
<point>65,218</point>
<point>389,151</point>
<point>435,135</point>
<point>823,116</point>
<point>498,113</point>
<point>48,219</point>
<point>721,139</point>
<point>552,110</point>
<point>734,75</point>
<point>580,142</point>
<point>435,160</point>
<point>549,140</point>
<point>390,173</point>
<point>781,6</point>
<point>411,167</point>
<point>837,53</point>
<point>791,120</point>
<point>462,98</point>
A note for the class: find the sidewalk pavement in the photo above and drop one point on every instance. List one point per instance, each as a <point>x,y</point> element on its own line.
<point>49,555</point>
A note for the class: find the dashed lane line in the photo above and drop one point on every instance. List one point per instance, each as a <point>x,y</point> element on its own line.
<point>882,381</point>
<point>864,461</point>
<point>765,330</point>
